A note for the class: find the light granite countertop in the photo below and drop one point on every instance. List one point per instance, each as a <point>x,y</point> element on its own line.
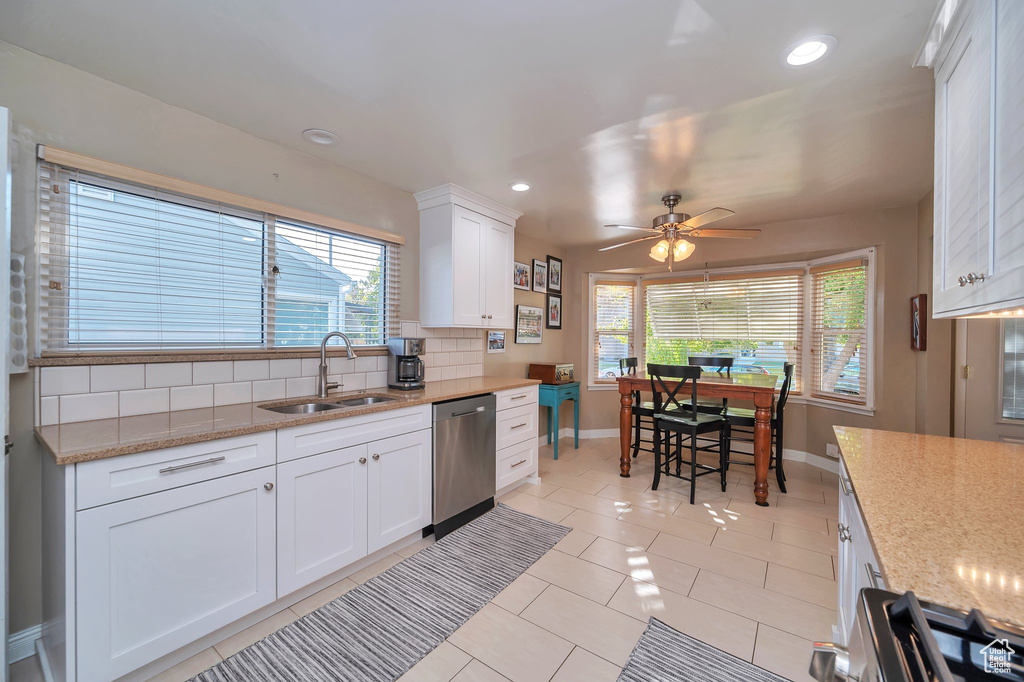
<point>943,515</point>
<point>85,441</point>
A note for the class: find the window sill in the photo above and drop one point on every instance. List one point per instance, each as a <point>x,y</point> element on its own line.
<point>833,405</point>
<point>127,357</point>
<point>603,387</point>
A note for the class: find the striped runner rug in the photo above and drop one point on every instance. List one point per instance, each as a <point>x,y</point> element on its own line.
<point>664,654</point>
<point>377,631</point>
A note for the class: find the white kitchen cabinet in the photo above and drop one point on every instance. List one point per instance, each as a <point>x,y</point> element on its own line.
<point>159,571</point>
<point>400,486</point>
<point>858,567</point>
<point>466,254</point>
<point>515,433</point>
<point>321,515</point>
<point>979,158</point>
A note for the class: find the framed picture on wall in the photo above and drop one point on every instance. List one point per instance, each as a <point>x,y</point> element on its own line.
<point>554,314</point>
<point>496,342</point>
<point>919,322</point>
<point>555,274</point>
<point>540,275</point>
<point>520,275</point>
<point>529,324</point>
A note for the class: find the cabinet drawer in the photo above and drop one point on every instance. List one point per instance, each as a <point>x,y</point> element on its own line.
<point>119,478</point>
<point>515,463</point>
<point>516,425</point>
<point>515,397</point>
<point>312,439</point>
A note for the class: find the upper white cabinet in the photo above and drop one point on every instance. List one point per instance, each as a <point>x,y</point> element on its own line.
<point>979,159</point>
<point>466,253</point>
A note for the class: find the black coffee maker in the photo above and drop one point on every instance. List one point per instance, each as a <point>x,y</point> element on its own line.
<point>405,369</point>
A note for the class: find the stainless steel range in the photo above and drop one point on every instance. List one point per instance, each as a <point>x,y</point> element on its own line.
<point>897,638</point>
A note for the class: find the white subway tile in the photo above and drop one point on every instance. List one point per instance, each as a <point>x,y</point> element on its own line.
<point>438,332</point>
<point>49,410</point>
<point>340,365</point>
<point>285,368</point>
<point>301,386</point>
<point>273,389</point>
<point>455,358</point>
<point>355,381</point>
<point>104,378</point>
<point>463,372</point>
<point>433,345</point>
<point>478,344</point>
<point>409,329</point>
<point>449,345</point>
<point>220,372</point>
<point>454,333</point>
<point>478,357</point>
<point>86,406</point>
<point>428,359</point>
<point>310,367</point>
<point>163,374</point>
<point>449,372</point>
<point>465,344</point>
<point>432,374</point>
<point>376,379</point>
<point>476,370</point>
<point>146,401</point>
<point>232,394</point>
<point>191,397</point>
<point>64,380</point>
<point>367,363</point>
<point>382,363</point>
<point>441,359</point>
<point>252,370</point>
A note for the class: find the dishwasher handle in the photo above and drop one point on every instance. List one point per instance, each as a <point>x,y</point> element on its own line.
<point>468,412</point>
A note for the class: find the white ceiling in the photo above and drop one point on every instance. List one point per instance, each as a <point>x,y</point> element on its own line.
<point>601,105</point>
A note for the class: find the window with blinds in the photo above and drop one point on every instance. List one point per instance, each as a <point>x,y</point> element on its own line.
<point>756,318</point>
<point>839,331</point>
<point>125,266</point>
<point>1013,369</point>
<point>614,319</point>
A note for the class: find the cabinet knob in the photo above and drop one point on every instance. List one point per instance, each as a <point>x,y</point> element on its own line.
<point>972,278</point>
<point>483,316</point>
<point>489,316</point>
<point>362,460</point>
<point>376,457</point>
<point>268,486</point>
<point>844,533</point>
<point>962,280</point>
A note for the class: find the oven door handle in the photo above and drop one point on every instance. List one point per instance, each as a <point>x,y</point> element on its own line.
<point>829,662</point>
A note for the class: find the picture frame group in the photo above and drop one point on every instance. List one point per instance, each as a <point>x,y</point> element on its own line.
<point>544,277</point>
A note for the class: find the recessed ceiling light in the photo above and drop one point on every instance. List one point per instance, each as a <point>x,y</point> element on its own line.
<point>318,136</point>
<point>519,186</point>
<point>809,50</point>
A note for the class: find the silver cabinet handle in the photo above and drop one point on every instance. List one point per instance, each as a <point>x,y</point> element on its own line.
<point>962,281</point>
<point>483,316</point>
<point>182,467</point>
<point>844,533</point>
<point>489,317</point>
<point>519,426</point>
<point>873,575</point>
<point>522,461</point>
<point>844,483</point>
<point>362,460</point>
<point>376,457</point>
<point>518,397</point>
<point>268,486</point>
<point>972,278</point>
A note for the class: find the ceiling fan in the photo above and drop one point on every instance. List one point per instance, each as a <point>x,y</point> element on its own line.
<point>672,229</point>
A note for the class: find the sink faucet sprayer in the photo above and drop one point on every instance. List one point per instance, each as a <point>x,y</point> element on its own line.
<point>322,385</point>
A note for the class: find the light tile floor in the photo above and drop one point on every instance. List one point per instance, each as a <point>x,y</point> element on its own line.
<point>756,582</point>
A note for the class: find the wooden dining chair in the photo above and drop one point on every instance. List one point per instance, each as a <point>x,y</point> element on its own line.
<point>741,429</point>
<point>720,363</point>
<point>671,418</point>
<point>643,412</point>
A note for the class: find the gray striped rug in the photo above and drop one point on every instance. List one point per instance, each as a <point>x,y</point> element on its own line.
<point>664,654</point>
<point>379,630</point>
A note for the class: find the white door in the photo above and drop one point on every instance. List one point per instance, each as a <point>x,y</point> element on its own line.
<point>321,516</point>
<point>962,107</point>
<point>5,283</point>
<point>159,571</point>
<point>399,487</point>
<point>468,269</point>
<point>498,255</point>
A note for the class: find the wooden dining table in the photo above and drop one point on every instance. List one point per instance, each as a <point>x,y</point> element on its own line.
<point>757,388</point>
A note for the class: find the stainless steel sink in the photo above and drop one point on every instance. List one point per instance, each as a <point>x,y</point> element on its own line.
<point>363,400</point>
<point>304,408</point>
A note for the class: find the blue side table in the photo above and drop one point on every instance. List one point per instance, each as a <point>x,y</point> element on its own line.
<point>551,396</point>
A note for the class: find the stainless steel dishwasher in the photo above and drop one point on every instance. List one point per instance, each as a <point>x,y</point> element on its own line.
<point>463,461</point>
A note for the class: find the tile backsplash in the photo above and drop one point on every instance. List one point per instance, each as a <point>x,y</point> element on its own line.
<point>83,392</point>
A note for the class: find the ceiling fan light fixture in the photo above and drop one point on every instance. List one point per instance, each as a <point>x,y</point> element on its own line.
<point>682,250</point>
<point>660,251</point>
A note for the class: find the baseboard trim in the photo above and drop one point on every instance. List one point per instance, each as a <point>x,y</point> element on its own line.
<point>21,645</point>
<point>44,661</point>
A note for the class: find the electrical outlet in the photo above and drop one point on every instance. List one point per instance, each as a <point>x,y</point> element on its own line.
<point>832,450</point>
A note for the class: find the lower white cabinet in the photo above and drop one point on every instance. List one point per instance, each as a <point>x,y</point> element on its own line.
<point>158,571</point>
<point>515,435</point>
<point>400,485</point>
<point>321,515</point>
<point>858,567</point>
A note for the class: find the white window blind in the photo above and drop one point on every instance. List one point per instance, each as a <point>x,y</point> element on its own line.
<point>756,318</point>
<point>614,320</point>
<point>129,266</point>
<point>839,331</point>
<point>1013,369</point>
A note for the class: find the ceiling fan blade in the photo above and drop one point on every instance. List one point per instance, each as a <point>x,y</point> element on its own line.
<point>642,239</point>
<point>632,227</point>
<point>725,234</point>
<point>708,217</point>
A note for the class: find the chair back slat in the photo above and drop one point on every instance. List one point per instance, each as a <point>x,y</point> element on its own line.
<point>683,373</point>
<point>787,383</point>
<point>719,361</point>
<point>627,366</point>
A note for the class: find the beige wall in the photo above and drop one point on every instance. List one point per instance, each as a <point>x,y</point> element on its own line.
<point>55,104</point>
<point>894,231</point>
<point>934,364</point>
